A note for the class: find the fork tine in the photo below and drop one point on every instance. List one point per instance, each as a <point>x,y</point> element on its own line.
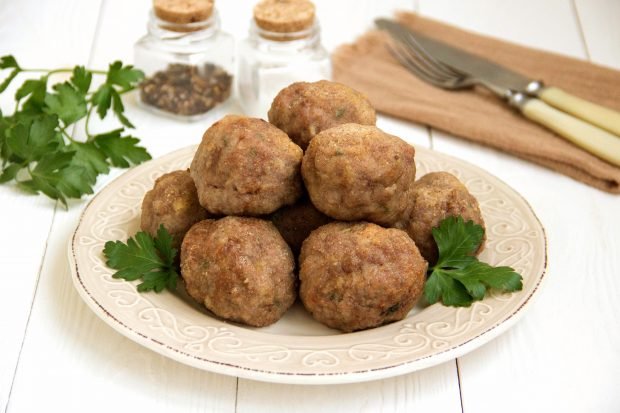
<point>429,59</point>
<point>406,37</point>
<point>414,67</point>
<point>428,67</point>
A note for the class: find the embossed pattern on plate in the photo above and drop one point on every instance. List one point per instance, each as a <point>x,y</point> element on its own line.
<point>168,324</point>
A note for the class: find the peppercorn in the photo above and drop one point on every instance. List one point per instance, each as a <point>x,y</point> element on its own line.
<point>187,89</point>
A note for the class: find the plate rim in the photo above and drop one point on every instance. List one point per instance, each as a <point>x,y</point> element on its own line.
<point>318,378</point>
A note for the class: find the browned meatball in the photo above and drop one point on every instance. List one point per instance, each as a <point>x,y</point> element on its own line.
<point>357,172</point>
<point>436,196</point>
<point>296,222</point>
<point>240,268</point>
<point>359,275</point>
<point>304,109</point>
<point>246,166</point>
<point>173,203</point>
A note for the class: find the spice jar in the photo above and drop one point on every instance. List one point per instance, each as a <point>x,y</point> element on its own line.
<point>283,46</point>
<point>188,61</point>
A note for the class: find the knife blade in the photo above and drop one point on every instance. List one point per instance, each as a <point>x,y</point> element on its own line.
<point>504,77</point>
<point>477,71</point>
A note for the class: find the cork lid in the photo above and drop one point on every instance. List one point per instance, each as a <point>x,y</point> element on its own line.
<point>284,16</point>
<point>183,11</point>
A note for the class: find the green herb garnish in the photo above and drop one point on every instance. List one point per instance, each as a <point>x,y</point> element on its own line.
<point>37,148</point>
<point>145,257</point>
<point>458,279</point>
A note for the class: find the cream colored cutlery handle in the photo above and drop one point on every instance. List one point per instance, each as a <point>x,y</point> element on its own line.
<point>595,140</point>
<point>595,114</point>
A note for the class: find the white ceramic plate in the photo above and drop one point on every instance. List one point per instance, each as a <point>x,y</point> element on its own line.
<point>297,349</point>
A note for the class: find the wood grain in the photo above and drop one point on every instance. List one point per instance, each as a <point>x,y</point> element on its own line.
<point>564,343</point>
<point>561,357</point>
<point>423,391</point>
<point>598,21</point>
<point>38,35</point>
<point>66,343</point>
<point>75,361</point>
<point>436,387</point>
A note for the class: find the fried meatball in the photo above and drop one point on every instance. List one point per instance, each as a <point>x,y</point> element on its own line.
<point>173,203</point>
<point>358,172</point>
<point>296,222</point>
<point>239,268</point>
<point>436,196</point>
<point>360,275</point>
<point>304,109</point>
<point>246,166</point>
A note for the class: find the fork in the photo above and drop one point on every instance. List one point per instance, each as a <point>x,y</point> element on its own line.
<point>421,63</point>
<point>415,58</point>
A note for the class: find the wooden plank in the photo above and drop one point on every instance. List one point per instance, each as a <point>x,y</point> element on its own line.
<point>599,25</point>
<point>38,34</point>
<point>431,389</point>
<point>424,391</point>
<point>67,347</point>
<point>548,25</point>
<point>72,359</point>
<point>559,357</point>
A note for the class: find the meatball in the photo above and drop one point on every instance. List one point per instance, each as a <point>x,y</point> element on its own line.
<point>296,222</point>
<point>358,172</point>
<point>246,166</point>
<point>304,109</point>
<point>436,196</point>
<point>173,203</point>
<point>360,275</point>
<point>240,269</point>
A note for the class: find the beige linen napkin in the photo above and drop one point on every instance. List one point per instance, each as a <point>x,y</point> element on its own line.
<point>476,115</point>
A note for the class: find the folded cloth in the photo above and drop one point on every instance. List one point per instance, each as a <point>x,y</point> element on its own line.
<point>477,115</point>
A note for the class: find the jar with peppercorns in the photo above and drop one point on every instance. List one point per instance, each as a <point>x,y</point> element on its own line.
<point>283,46</point>
<point>188,61</point>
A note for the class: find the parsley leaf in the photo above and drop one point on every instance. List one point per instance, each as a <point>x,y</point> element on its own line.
<point>440,285</point>
<point>8,80</point>
<point>10,172</point>
<point>102,98</point>
<point>69,103</point>
<point>8,62</point>
<point>121,150</point>
<point>458,279</point>
<point>119,108</point>
<point>89,157</point>
<point>54,176</point>
<point>16,141</point>
<point>457,241</point>
<point>478,276</point>
<point>43,136</point>
<point>108,96</point>
<point>34,87</point>
<point>144,257</point>
<point>81,79</point>
<point>123,76</point>
<point>37,151</point>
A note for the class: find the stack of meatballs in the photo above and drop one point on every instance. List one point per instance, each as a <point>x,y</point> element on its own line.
<point>318,188</point>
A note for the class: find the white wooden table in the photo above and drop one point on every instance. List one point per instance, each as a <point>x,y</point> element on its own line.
<point>563,356</point>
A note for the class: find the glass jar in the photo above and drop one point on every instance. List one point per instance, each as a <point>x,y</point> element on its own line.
<point>188,66</point>
<point>269,61</point>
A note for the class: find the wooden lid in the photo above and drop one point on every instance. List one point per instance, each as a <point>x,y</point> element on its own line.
<point>284,16</point>
<point>183,11</point>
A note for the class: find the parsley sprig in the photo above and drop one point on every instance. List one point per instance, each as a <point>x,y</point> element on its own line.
<point>144,257</point>
<point>458,278</point>
<point>37,149</point>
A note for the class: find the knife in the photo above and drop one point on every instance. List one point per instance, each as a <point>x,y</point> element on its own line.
<point>509,85</point>
<point>595,114</point>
